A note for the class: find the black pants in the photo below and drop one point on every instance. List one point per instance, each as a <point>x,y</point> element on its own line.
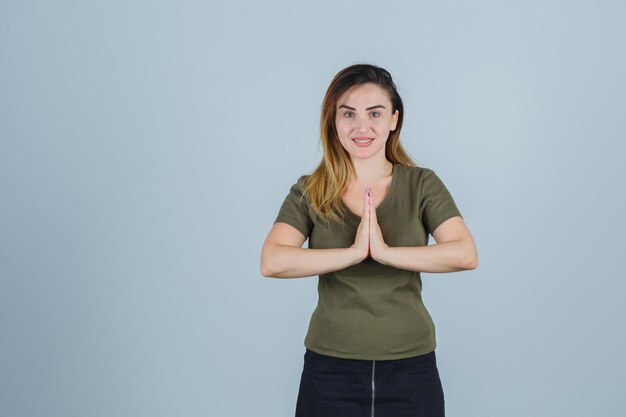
<point>337,387</point>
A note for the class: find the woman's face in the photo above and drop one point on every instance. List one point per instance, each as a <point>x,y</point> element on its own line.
<point>363,119</point>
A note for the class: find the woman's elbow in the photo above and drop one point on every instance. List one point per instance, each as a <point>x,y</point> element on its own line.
<point>266,269</point>
<point>471,261</point>
<point>269,268</point>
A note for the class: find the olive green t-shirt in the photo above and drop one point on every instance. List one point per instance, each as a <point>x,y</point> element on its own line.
<point>369,310</point>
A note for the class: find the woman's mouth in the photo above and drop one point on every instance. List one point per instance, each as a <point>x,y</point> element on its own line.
<point>363,142</point>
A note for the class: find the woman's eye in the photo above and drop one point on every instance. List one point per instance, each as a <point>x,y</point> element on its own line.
<point>350,114</point>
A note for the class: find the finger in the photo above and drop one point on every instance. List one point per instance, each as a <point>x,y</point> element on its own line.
<point>365,204</point>
<point>372,208</point>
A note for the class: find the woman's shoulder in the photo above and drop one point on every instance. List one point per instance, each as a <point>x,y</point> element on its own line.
<point>299,186</point>
<point>301,182</point>
<point>414,173</point>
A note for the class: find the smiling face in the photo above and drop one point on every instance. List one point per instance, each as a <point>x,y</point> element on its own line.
<point>363,119</point>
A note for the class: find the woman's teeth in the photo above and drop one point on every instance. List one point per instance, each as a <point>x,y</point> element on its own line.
<point>363,142</point>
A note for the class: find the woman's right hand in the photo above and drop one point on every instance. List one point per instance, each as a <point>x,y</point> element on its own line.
<point>362,239</point>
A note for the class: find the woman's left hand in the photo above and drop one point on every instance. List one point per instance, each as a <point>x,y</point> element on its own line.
<point>377,243</point>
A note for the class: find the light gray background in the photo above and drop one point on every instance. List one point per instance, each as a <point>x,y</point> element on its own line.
<point>146,148</point>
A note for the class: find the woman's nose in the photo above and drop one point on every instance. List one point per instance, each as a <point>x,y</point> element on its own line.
<point>361,124</point>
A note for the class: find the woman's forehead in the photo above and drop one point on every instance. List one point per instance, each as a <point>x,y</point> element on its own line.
<point>364,95</point>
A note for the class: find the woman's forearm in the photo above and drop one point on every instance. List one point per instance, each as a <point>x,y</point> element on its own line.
<point>457,255</point>
<point>283,261</point>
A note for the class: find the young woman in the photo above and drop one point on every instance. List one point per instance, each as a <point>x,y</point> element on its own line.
<point>367,211</point>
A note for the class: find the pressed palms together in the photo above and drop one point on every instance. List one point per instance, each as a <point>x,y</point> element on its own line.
<point>369,238</point>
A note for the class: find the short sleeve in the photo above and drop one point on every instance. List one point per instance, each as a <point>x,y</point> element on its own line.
<point>436,203</point>
<point>294,210</point>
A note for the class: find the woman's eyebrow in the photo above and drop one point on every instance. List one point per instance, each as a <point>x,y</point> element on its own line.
<point>369,108</point>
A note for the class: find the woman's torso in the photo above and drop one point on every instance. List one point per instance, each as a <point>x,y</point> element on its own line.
<point>371,310</point>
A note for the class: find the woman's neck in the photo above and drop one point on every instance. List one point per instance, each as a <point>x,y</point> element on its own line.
<point>371,172</point>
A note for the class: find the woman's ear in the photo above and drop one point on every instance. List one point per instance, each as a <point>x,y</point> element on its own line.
<point>394,120</point>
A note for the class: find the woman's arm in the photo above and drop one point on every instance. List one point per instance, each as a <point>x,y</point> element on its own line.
<point>283,256</point>
<point>455,251</point>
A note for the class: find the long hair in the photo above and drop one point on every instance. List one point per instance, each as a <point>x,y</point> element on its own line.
<point>328,181</point>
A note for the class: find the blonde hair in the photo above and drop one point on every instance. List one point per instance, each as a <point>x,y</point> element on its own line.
<point>327,183</point>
